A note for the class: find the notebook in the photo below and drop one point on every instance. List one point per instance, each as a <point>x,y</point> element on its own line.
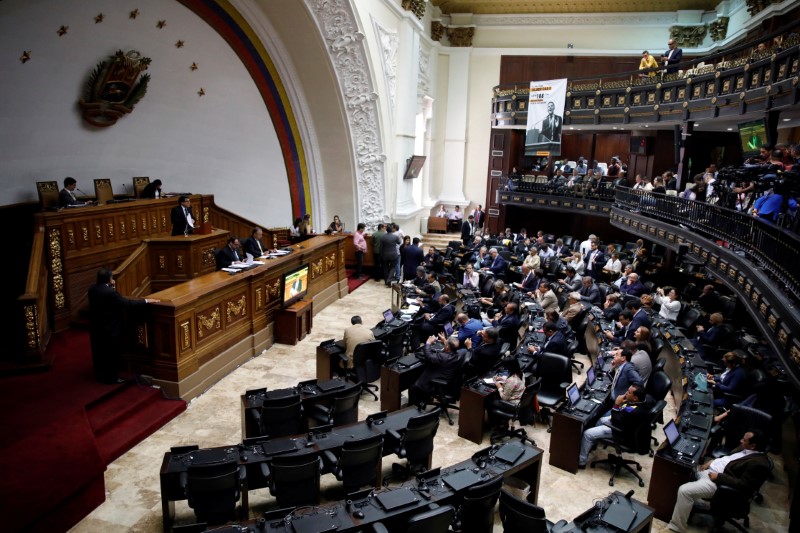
<point>619,516</point>
<point>396,498</point>
<point>509,453</point>
<point>461,480</point>
<point>331,384</point>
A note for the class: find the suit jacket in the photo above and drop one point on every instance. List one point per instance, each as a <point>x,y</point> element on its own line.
<point>353,336</point>
<point>612,313</point>
<point>389,243</point>
<point>484,356</point>
<point>711,336</point>
<point>443,315</point>
<point>634,289</point>
<point>479,217</point>
<point>466,232</point>
<point>149,191</point>
<point>530,282</point>
<point>548,300</point>
<point>747,473</point>
<point>441,365</point>
<point>179,223</point>
<point>733,382</point>
<point>551,129</point>
<point>412,257</point>
<point>677,56</point>
<point>470,331</point>
<point>556,344</point>
<point>639,319</point>
<point>250,246</point>
<point>590,294</point>
<point>226,256</point>
<point>65,199</point>
<point>573,284</point>
<point>499,267</point>
<point>594,268</point>
<point>106,312</point>
<point>625,377</point>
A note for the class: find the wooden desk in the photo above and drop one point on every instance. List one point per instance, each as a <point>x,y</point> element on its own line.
<point>177,259</point>
<point>437,224</point>
<point>587,522</point>
<point>203,328</point>
<point>328,361</point>
<point>394,381</point>
<point>293,323</point>
<point>472,412</point>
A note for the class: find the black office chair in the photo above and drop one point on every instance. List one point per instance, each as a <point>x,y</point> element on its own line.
<point>436,520</point>
<point>727,306</point>
<point>500,410</point>
<point>658,365</point>
<point>294,479</point>
<point>633,440</point>
<point>279,417</point>
<point>396,342</point>
<point>343,410</point>
<point>740,419</point>
<point>367,362</point>
<point>414,443</point>
<point>214,489</point>
<point>728,505</point>
<point>687,319</point>
<point>447,393</point>
<point>518,515</point>
<point>657,344</point>
<point>556,374</point>
<point>572,348</point>
<point>358,464</point>
<point>658,386</point>
<point>476,513</point>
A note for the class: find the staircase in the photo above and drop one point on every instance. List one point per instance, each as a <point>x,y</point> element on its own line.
<point>127,415</point>
<point>439,240</point>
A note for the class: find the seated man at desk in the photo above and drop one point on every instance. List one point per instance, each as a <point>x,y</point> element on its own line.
<point>355,334</point>
<point>440,365</point>
<point>545,297</point>
<point>497,266</point>
<point>468,328</point>
<point>573,307</point>
<point>229,254</point>
<point>623,331</point>
<point>709,337</point>
<point>745,469</point>
<point>500,297</point>
<point>254,246</point>
<point>625,376</point>
<point>66,197</point>
<point>561,323</point>
<point>152,190</point>
<point>627,413</point>
<point>555,341</point>
<point>486,352</point>
<point>434,322</point>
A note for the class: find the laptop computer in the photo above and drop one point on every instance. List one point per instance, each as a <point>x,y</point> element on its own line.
<point>390,320</point>
<point>509,453</point>
<point>461,480</point>
<point>396,498</point>
<point>678,443</point>
<point>576,402</point>
<point>619,516</point>
<point>331,384</point>
<point>448,329</point>
<point>593,383</point>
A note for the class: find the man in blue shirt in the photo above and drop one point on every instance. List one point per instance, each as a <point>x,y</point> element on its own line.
<point>468,328</point>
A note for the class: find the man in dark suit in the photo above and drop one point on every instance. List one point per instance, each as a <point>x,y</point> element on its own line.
<point>67,195</point>
<point>594,261</point>
<point>589,292</point>
<point>151,190</point>
<point>555,343</point>
<point>624,331</point>
<point>411,257</point>
<point>640,317</point>
<point>711,336</point>
<point>230,253</point>
<point>468,230</point>
<point>485,353</point>
<point>498,265</point>
<point>390,250</point>
<point>479,217</point>
<point>181,217</point>
<point>253,245</point>
<point>440,365</point>
<point>551,126</point>
<point>672,56</point>
<point>434,322</point>
<point>529,282</point>
<point>745,469</point>
<point>106,317</point>
<point>625,376</point>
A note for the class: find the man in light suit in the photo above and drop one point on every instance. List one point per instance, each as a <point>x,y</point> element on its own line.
<point>354,335</point>
<point>551,126</point>
<point>546,298</point>
<point>672,56</point>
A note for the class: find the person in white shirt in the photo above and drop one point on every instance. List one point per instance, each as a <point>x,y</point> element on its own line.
<point>442,213</point>
<point>613,265</point>
<point>586,246</point>
<point>670,305</point>
<point>577,263</point>
<point>471,278</point>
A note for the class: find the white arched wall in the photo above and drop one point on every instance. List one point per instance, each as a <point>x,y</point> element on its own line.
<point>222,143</point>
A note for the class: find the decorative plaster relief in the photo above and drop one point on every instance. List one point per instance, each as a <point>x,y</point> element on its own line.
<point>388,41</point>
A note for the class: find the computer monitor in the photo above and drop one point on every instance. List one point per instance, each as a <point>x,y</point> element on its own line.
<point>671,432</point>
<point>752,135</point>
<point>590,376</point>
<point>600,362</point>
<point>295,285</point>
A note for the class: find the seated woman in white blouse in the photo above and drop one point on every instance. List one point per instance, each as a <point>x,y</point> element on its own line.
<point>670,305</point>
<point>577,263</point>
<point>613,265</point>
<point>471,278</point>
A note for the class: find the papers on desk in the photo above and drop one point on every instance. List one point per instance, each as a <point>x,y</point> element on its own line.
<point>232,269</point>
<point>412,300</point>
<point>278,253</point>
<point>489,381</point>
<point>411,310</point>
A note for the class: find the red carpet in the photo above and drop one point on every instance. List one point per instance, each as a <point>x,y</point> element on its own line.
<point>352,282</point>
<point>61,429</point>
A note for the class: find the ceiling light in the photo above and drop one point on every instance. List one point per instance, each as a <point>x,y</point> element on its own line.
<point>787,119</point>
<point>730,129</point>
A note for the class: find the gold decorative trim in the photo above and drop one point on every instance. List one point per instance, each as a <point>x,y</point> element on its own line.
<point>133,225</point>
<point>259,299</point>
<point>57,269</point>
<point>179,261</point>
<point>85,234</point>
<point>164,222</point>
<point>162,262</point>
<point>144,224</point>
<point>208,323</point>
<point>71,236</point>
<point>122,228</point>
<point>141,334</point>
<point>205,215</point>
<point>237,309</point>
<point>98,233</point>
<point>316,269</point>
<point>110,230</point>
<point>185,335</point>
<point>31,326</point>
<point>208,257</point>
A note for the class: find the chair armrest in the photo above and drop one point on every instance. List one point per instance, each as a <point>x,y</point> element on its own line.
<point>255,415</point>
<point>557,527</point>
<point>329,461</point>
<point>377,527</point>
<point>395,435</point>
<point>264,470</point>
<point>183,480</point>
<point>242,473</point>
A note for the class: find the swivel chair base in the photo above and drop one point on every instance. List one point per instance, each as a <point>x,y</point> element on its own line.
<point>618,463</point>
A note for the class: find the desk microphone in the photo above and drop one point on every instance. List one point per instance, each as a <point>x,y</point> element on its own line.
<point>629,495</point>
<point>125,185</point>
<point>80,191</point>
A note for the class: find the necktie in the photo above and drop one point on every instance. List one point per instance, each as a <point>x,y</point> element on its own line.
<point>260,249</point>
<point>614,381</point>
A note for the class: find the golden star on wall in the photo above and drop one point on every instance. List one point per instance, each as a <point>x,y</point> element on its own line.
<point>25,57</point>
<point>99,18</point>
<point>201,92</point>
<point>161,23</point>
<point>133,14</point>
<point>194,66</point>
<point>62,31</point>
<point>179,44</point>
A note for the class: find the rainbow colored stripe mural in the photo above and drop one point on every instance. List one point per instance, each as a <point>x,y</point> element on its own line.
<point>226,20</point>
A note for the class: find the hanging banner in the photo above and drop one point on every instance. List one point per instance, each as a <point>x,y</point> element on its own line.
<point>545,111</point>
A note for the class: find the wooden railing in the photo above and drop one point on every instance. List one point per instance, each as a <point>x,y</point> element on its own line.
<point>133,275</point>
<point>33,304</point>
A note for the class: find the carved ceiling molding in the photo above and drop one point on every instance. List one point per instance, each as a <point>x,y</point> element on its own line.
<point>718,29</point>
<point>437,30</point>
<point>389,41</point>
<point>423,78</point>
<point>415,6</point>
<point>579,19</point>
<point>461,36</point>
<point>338,25</point>
<point>754,7</point>
<point>688,36</point>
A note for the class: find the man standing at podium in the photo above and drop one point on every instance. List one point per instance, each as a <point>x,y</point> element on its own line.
<point>181,217</point>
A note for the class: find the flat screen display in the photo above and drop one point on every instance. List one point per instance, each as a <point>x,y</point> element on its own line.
<point>414,167</point>
<point>295,285</point>
<point>753,135</point>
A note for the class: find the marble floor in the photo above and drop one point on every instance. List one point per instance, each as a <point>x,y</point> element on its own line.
<point>213,419</point>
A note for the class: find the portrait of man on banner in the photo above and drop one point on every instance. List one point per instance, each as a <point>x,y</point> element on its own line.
<point>545,117</point>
